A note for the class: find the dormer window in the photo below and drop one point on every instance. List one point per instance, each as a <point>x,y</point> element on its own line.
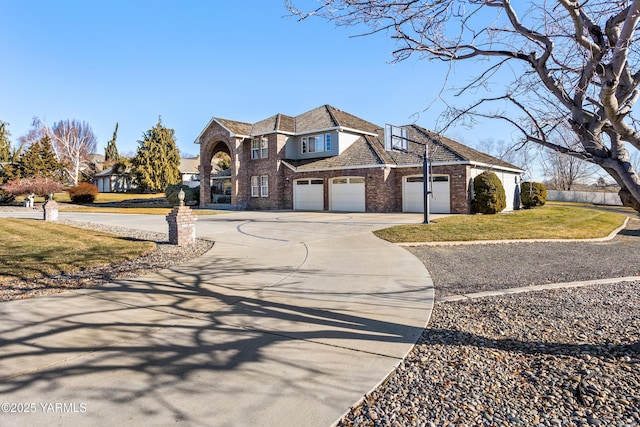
<point>316,143</point>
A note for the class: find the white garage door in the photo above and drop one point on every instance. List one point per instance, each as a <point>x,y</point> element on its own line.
<point>440,194</point>
<point>308,195</point>
<point>347,194</point>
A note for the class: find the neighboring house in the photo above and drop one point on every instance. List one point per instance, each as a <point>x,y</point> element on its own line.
<point>189,171</point>
<point>327,159</point>
<point>109,181</point>
<point>112,181</point>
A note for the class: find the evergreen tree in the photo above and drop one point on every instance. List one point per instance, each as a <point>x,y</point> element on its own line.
<point>38,160</point>
<point>5,144</point>
<point>157,161</point>
<point>111,154</point>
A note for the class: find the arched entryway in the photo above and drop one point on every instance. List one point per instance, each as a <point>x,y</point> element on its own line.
<point>216,185</point>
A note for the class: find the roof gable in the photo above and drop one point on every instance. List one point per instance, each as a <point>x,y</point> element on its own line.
<point>440,145</point>
<point>328,117</point>
<point>235,127</point>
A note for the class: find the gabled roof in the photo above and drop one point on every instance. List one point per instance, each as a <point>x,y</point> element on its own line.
<point>189,165</point>
<point>361,153</point>
<point>321,118</point>
<point>369,151</point>
<point>277,123</point>
<point>443,149</point>
<point>238,128</point>
<point>328,117</point>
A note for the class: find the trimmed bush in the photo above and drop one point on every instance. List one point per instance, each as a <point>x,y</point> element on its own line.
<point>490,197</point>
<point>533,194</point>
<point>191,194</point>
<point>84,192</point>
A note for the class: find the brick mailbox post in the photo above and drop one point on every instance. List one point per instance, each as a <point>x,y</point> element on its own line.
<point>50,209</point>
<point>182,224</point>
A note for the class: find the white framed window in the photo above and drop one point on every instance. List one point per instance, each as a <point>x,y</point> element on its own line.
<point>255,186</point>
<point>316,143</point>
<point>255,148</point>
<point>264,147</point>
<point>260,148</point>
<point>264,186</point>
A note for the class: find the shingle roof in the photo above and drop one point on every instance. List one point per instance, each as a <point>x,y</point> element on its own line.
<point>279,122</point>
<point>239,128</point>
<point>326,117</point>
<point>369,151</point>
<point>443,149</point>
<point>189,165</point>
<point>360,153</point>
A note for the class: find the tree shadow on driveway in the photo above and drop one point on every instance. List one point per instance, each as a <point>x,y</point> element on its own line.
<point>140,346</point>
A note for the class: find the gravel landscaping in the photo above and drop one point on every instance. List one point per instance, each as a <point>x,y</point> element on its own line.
<point>462,269</point>
<point>549,358</point>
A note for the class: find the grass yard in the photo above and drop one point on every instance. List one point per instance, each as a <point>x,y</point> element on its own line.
<point>134,210</point>
<point>547,222</point>
<point>33,248</point>
<point>121,203</point>
<point>63,197</point>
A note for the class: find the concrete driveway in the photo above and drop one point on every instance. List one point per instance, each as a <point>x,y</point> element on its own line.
<point>288,321</point>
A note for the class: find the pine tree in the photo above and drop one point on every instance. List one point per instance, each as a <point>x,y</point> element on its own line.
<point>157,161</point>
<point>111,154</point>
<point>38,160</point>
<point>5,144</point>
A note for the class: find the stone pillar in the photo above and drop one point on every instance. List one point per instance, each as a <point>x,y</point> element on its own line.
<point>182,224</point>
<point>50,210</point>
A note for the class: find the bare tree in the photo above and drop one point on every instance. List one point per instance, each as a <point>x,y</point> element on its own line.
<point>560,62</point>
<point>73,142</point>
<point>35,134</point>
<point>563,172</point>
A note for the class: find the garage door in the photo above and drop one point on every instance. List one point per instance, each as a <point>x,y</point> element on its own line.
<point>347,194</point>
<point>413,190</point>
<point>308,195</point>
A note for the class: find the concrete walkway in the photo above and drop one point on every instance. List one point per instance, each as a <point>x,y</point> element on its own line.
<point>288,321</point>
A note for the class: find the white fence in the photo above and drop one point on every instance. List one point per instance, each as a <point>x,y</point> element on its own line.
<point>597,198</point>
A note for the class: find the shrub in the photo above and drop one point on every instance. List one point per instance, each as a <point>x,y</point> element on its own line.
<point>39,186</point>
<point>6,198</point>
<point>191,194</point>
<point>489,197</point>
<point>532,194</point>
<point>84,192</point>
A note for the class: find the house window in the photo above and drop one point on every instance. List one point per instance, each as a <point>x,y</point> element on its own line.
<point>255,148</point>
<point>264,147</point>
<point>264,186</point>
<point>316,143</point>
<point>255,186</point>
<point>260,148</point>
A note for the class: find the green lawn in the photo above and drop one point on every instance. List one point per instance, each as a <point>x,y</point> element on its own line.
<point>33,248</point>
<point>547,222</point>
<point>96,208</point>
<point>63,197</point>
<point>127,203</point>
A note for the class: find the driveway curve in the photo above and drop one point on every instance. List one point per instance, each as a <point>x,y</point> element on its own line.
<point>289,320</point>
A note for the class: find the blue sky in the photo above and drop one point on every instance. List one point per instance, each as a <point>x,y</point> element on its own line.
<point>132,61</point>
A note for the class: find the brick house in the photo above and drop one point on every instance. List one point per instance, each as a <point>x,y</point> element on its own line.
<point>327,159</point>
